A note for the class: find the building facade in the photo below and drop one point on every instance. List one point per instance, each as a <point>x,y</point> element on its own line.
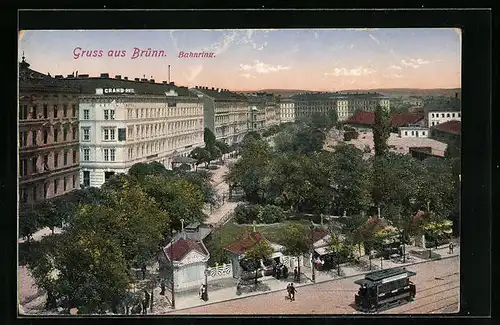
<point>48,136</point>
<point>413,131</point>
<point>257,112</point>
<point>124,122</point>
<point>438,117</point>
<point>345,104</point>
<point>225,113</point>
<point>287,110</point>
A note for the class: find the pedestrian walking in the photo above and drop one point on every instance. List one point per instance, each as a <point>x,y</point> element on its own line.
<point>450,251</point>
<point>145,302</point>
<point>288,287</point>
<point>143,270</point>
<point>295,274</point>
<point>162,287</point>
<point>200,292</point>
<point>293,291</point>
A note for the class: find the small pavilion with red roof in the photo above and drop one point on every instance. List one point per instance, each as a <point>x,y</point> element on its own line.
<point>189,258</point>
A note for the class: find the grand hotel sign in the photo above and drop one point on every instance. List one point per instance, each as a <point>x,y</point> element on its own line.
<point>102,91</point>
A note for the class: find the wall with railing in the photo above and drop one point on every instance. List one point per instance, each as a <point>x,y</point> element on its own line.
<point>220,271</point>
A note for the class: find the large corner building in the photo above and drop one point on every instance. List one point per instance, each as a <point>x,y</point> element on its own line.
<point>48,136</point>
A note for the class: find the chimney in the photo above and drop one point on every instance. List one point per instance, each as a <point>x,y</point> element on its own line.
<point>58,76</point>
<point>164,82</point>
<point>169,73</point>
<point>69,76</point>
<point>136,79</point>
<point>118,76</point>
<point>125,78</point>
<point>144,79</point>
<point>83,76</point>
<point>213,88</point>
<point>171,83</point>
<point>104,75</point>
<point>152,81</point>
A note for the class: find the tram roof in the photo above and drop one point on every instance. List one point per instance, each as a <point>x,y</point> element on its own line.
<point>386,275</point>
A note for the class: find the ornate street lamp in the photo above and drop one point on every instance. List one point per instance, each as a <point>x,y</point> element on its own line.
<point>207,272</point>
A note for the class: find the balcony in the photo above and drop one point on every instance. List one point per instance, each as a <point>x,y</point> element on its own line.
<point>45,173</point>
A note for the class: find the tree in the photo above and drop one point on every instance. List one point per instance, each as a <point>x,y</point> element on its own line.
<point>203,180</point>
<point>271,214</point>
<point>251,171</point>
<point>29,221</point>
<point>436,231</point>
<point>351,180</point>
<point>223,147</point>
<point>201,155</point>
<point>397,189</point>
<point>209,138</point>
<point>247,213</point>
<point>381,130</point>
<point>340,249</point>
<point>319,121</point>
<point>332,119</point>
<point>297,241</point>
<point>179,198</point>
<point>84,269</point>
<point>260,251</point>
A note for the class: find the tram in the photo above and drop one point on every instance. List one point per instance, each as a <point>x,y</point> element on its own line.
<point>384,289</point>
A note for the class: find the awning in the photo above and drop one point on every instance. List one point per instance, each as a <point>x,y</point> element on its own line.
<point>322,250</point>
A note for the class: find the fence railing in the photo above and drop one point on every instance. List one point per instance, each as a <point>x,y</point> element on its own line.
<point>220,271</point>
<point>224,219</point>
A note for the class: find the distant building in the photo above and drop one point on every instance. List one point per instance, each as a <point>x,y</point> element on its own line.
<point>363,120</point>
<point>287,110</point>
<point>48,136</point>
<point>413,131</point>
<point>124,122</point>
<point>263,111</point>
<point>447,132</point>
<point>225,113</point>
<point>423,153</point>
<point>438,117</point>
<point>345,104</point>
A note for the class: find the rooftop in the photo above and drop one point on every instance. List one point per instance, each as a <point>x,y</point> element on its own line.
<point>453,127</point>
<point>397,119</point>
<point>220,93</point>
<point>180,248</point>
<point>245,242</point>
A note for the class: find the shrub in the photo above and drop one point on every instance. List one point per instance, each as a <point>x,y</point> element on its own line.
<point>246,213</point>
<point>348,136</point>
<point>271,214</point>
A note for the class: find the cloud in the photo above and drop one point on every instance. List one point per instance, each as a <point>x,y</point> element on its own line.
<point>374,38</point>
<point>391,52</point>
<point>414,63</point>
<point>237,37</point>
<point>394,76</point>
<point>247,75</point>
<point>262,68</point>
<point>174,41</point>
<point>356,72</point>
<point>194,71</point>
<point>397,67</point>
<point>260,48</point>
<point>351,46</point>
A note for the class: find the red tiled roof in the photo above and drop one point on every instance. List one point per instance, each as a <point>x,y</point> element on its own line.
<point>362,118</point>
<point>453,127</point>
<point>402,119</point>
<point>182,247</point>
<point>246,241</point>
<point>319,233</point>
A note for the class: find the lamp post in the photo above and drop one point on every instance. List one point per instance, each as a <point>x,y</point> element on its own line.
<point>172,262</point>
<point>206,283</point>
<point>312,252</point>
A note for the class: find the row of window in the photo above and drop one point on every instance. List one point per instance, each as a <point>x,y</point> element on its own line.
<point>66,185</point>
<point>415,133</point>
<point>108,114</point>
<point>46,136</point>
<point>36,113</point>
<point>436,115</point>
<point>45,162</point>
<point>163,112</point>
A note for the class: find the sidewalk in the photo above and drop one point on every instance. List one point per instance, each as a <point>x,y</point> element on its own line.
<point>270,284</point>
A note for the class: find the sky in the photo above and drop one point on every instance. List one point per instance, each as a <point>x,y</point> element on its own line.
<point>253,59</point>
